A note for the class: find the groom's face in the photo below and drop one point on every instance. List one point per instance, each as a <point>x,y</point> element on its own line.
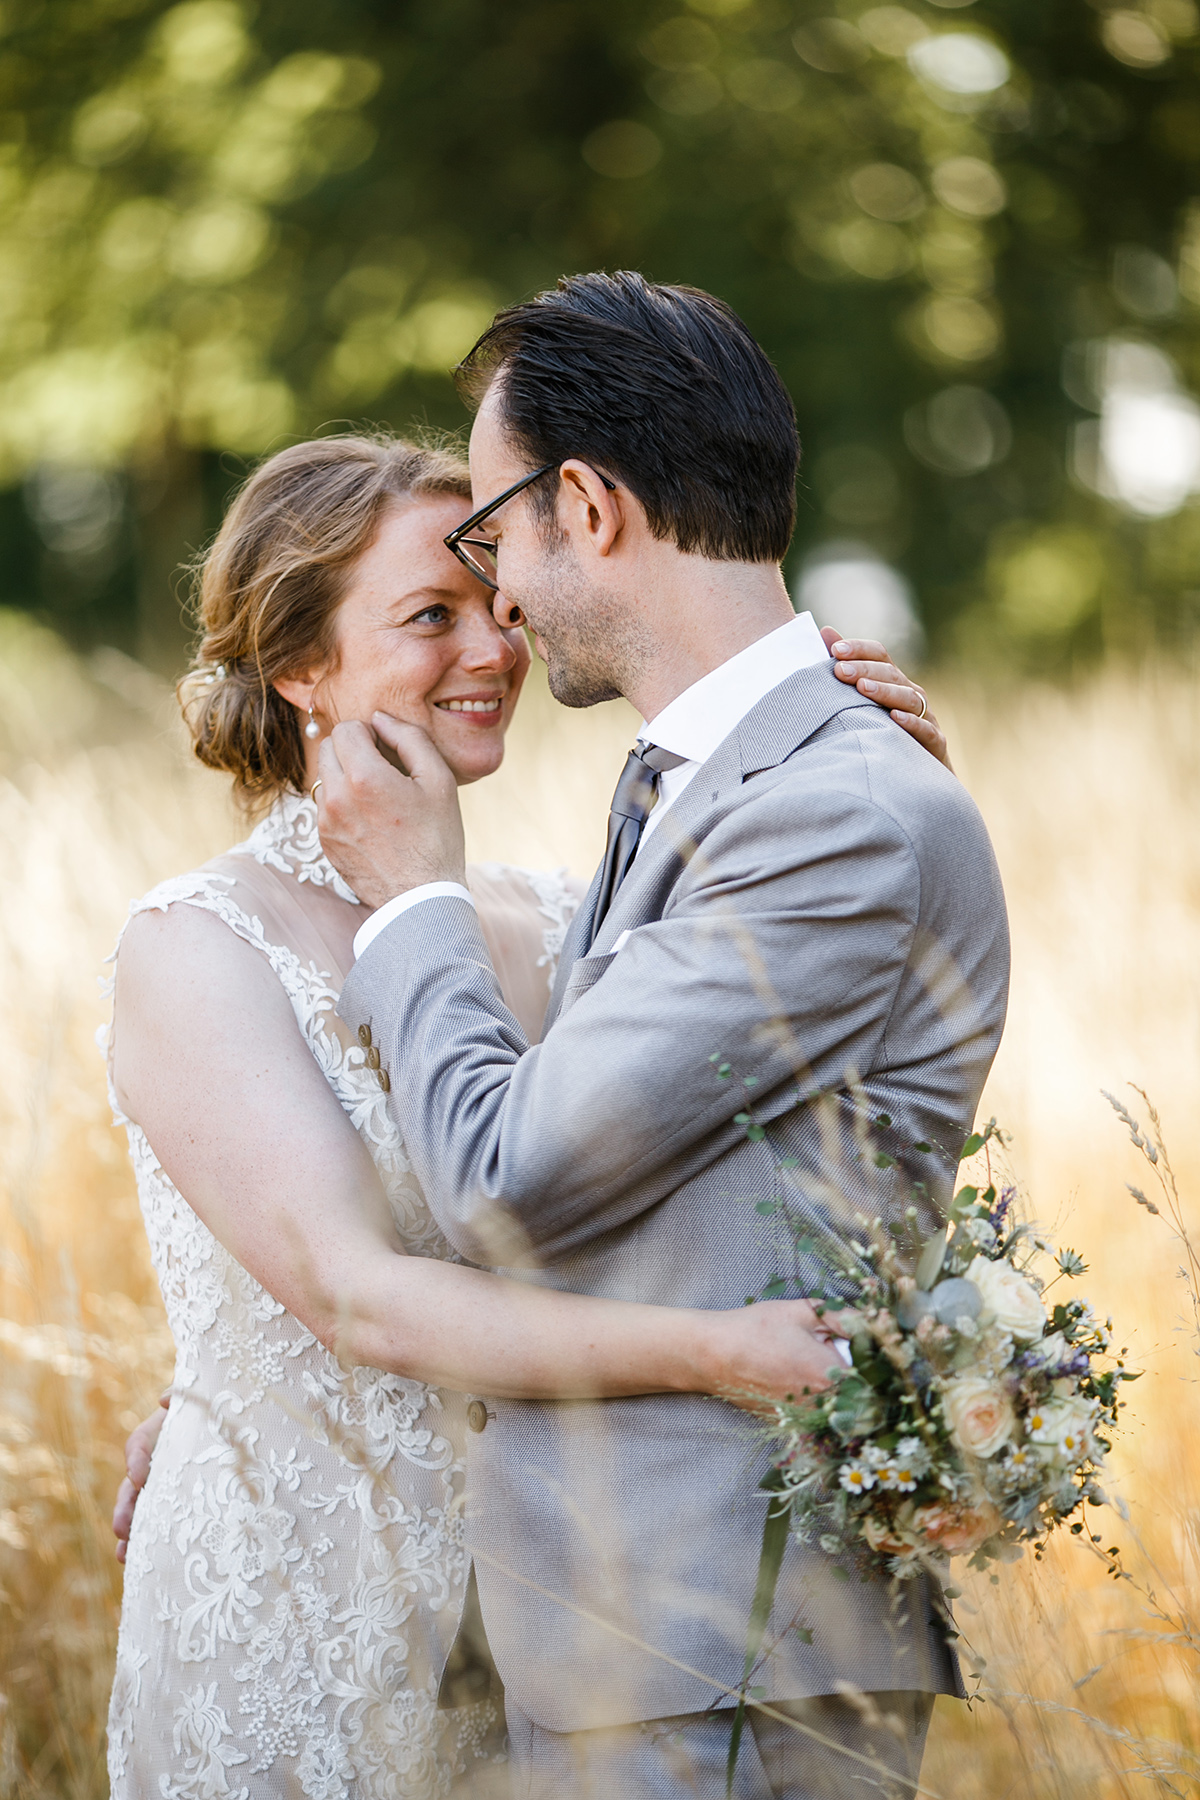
<point>579,623</point>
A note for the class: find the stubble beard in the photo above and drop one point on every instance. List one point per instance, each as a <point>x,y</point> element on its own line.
<point>592,645</point>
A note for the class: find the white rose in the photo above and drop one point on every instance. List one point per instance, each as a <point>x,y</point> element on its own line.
<point>979,1413</point>
<point>1051,1423</point>
<point>1008,1299</point>
<point>1054,1349</point>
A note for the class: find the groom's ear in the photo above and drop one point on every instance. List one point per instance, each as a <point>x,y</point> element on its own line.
<point>589,511</point>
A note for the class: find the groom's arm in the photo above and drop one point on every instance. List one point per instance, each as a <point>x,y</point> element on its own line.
<point>782,952</point>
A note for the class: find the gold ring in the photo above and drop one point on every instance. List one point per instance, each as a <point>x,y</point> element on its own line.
<point>312,792</point>
<point>920,715</point>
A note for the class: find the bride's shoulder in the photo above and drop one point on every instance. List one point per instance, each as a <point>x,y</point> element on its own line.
<point>205,907</point>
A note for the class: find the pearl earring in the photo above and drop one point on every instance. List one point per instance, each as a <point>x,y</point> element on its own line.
<point>312,729</point>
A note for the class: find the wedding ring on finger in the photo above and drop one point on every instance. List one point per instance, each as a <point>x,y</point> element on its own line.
<point>924,708</point>
<point>312,792</point>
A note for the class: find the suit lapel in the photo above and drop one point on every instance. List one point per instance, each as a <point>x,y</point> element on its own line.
<point>789,715</point>
<point>770,732</point>
<point>579,931</point>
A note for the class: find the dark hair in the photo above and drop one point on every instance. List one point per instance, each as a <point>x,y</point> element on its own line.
<point>662,388</point>
<point>267,591</point>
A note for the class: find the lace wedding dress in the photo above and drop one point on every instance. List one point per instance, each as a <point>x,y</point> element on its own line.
<point>296,1571</point>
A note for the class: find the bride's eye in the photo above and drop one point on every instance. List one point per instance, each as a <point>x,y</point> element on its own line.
<point>430,615</point>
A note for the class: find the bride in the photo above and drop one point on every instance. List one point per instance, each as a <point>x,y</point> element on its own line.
<point>295,1572</point>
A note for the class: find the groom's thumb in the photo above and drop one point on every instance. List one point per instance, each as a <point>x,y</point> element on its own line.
<point>412,750</point>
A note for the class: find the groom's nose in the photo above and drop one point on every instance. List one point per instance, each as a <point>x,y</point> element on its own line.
<point>506,612</point>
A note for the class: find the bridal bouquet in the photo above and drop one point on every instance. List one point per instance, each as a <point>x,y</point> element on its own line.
<point>973,1414</point>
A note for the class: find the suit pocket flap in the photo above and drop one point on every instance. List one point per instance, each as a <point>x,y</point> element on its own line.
<point>586,973</point>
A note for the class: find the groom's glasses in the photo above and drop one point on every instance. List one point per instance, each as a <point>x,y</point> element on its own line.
<point>479,553</point>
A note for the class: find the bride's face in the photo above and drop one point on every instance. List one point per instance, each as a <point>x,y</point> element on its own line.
<point>416,637</point>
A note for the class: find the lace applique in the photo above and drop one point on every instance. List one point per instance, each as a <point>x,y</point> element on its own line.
<point>288,840</point>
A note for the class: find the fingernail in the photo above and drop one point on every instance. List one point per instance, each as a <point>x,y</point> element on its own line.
<point>841,649</point>
<point>868,687</point>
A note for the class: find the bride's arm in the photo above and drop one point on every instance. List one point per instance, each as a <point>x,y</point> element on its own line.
<point>211,1064</point>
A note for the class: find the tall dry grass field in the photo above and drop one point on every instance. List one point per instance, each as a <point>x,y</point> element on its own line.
<point>1088,1684</point>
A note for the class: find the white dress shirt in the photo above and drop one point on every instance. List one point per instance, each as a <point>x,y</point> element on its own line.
<point>700,719</point>
<point>692,726</point>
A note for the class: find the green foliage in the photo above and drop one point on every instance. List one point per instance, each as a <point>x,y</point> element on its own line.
<point>222,226</point>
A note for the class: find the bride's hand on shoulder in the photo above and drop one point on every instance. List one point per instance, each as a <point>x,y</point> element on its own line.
<point>865,664</point>
<point>776,1349</point>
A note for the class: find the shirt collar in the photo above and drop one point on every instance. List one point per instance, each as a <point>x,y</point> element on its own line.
<point>702,717</point>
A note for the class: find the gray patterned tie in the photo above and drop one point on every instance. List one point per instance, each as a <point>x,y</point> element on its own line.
<point>632,804</point>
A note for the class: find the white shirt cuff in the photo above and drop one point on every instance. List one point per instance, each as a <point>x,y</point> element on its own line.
<point>391,909</point>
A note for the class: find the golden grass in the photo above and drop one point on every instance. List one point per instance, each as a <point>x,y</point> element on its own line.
<point>1090,795</point>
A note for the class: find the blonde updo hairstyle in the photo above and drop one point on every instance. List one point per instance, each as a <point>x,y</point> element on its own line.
<point>267,593</point>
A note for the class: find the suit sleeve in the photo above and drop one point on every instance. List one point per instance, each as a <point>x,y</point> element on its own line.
<point>780,953</point>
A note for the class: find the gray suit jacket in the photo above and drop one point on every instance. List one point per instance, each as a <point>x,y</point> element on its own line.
<point>822,909</point>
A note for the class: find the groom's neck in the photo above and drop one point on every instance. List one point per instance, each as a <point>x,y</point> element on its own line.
<point>698,614</point>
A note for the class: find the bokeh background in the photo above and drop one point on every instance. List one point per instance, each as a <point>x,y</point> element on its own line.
<point>970,236</point>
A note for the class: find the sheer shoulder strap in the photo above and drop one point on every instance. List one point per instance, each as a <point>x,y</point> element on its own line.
<point>524,914</point>
<point>220,889</point>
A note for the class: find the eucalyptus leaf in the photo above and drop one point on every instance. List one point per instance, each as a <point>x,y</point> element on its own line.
<point>932,1256</point>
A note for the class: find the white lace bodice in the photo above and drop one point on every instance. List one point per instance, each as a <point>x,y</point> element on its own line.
<point>296,1570</point>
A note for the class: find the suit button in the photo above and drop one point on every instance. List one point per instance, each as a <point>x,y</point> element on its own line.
<point>364,1036</point>
<point>477,1415</point>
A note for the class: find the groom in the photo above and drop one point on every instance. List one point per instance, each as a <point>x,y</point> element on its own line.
<point>791,887</point>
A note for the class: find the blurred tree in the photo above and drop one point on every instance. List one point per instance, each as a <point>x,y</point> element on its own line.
<point>969,234</point>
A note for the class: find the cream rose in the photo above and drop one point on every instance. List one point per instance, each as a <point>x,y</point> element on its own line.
<point>1011,1301</point>
<point>979,1413</point>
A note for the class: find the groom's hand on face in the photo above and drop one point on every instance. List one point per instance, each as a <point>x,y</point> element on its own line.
<point>387,809</point>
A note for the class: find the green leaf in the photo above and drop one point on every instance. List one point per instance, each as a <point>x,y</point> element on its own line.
<point>974,1143</point>
<point>804,1633</point>
<point>774,1543</point>
<point>766,1208</point>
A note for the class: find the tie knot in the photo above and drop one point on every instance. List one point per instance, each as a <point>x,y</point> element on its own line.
<point>660,760</point>
<point>637,789</point>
